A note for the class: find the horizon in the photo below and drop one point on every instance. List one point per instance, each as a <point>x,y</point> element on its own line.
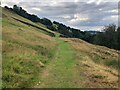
<point>75,14</point>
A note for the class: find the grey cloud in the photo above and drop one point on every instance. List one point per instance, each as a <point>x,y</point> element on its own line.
<point>96,13</point>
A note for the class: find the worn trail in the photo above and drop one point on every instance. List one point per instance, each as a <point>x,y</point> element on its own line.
<point>61,72</point>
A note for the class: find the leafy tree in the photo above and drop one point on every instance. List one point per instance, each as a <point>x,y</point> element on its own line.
<point>6,7</point>
<point>108,38</point>
<point>46,21</point>
<point>88,37</point>
<point>16,8</point>
<point>77,33</point>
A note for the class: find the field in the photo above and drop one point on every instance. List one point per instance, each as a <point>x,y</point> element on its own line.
<point>34,56</point>
<point>25,51</point>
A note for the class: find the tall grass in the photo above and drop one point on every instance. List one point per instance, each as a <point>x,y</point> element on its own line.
<point>26,51</point>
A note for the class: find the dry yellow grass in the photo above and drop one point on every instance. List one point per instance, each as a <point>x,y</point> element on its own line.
<point>98,75</point>
<point>25,50</point>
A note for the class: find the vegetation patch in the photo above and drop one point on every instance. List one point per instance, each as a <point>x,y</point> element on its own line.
<point>25,52</point>
<point>98,76</point>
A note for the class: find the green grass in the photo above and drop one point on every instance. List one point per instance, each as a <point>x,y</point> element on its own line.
<point>25,51</point>
<point>12,15</point>
<point>32,58</point>
<point>60,72</point>
<point>112,63</point>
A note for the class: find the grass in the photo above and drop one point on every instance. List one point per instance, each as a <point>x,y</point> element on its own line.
<point>99,64</point>
<point>25,51</point>
<point>60,72</point>
<point>32,58</point>
<point>113,63</point>
<point>12,15</point>
<point>98,76</point>
<point>100,55</point>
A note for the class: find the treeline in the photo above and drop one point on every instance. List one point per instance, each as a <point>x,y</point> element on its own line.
<point>20,11</point>
<point>109,37</point>
<point>23,13</point>
<point>54,26</point>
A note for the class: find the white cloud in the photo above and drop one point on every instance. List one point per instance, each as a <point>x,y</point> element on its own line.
<point>115,17</point>
<point>112,19</point>
<point>10,3</point>
<point>66,17</point>
<point>15,1</point>
<point>114,11</point>
<point>90,28</point>
<point>37,9</point>
<point>79,17</point>
<point>100,9</point>
<point>4,4</point>
<point>90,1</point>
<point>100,1</point>
<point>95,1</point>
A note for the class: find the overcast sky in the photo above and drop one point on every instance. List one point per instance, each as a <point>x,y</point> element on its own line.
<point>87,15</point>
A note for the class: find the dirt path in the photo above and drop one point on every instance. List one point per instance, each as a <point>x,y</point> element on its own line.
<point>67,70</point>
<point>61,72</point>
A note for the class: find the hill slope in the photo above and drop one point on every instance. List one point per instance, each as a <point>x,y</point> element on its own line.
<point>25,50</point>
<point>34,56</point>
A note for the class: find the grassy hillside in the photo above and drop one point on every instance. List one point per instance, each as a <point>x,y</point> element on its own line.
<point>100,64</point>
<point>34,56</point>
<point>25,51</point>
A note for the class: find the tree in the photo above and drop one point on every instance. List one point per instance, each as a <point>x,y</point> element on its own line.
<point>111,36</point>
<point>6,7</point>
<point>16,8</point>
<point>118,38</point>
<point>108,38</point>
<point>88,37</point>
<point>46,21</point>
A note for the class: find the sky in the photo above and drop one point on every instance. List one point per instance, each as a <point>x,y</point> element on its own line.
<point>79,14</point>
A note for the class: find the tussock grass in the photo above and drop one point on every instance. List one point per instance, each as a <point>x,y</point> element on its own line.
<point>99,54</point>
<point>26,52</point>
<point>100,64</point>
